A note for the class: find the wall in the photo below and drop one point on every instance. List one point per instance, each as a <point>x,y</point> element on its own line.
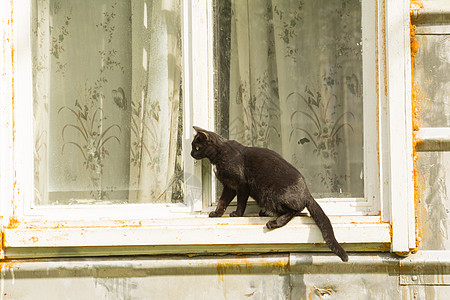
<point>424,275</point>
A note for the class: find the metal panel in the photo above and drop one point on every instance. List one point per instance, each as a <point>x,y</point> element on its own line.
<point>433,139</point>
<point>429,15</point>
<point>425,279</point>
<point>428,268</point>
<point>434,210</point>
<point>274,276</point>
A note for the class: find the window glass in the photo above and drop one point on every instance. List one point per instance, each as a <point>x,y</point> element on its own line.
<point>107,101</point>
<point>288,76</point>
<point>433,73</point>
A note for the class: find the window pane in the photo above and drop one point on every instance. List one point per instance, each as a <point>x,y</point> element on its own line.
<point>107,101</point>
<point>432,70</point>
<point>289,77</point>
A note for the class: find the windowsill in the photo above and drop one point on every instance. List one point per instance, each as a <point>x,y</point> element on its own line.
<point>197,235</point>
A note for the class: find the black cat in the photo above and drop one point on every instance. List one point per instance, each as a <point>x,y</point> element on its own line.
<point>277,186</point>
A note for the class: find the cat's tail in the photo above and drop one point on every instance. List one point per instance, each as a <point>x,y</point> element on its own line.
<point>325,227</point>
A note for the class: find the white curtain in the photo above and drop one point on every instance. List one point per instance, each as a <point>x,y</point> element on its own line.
<point>155,152</point>
<point>295,87</point>
<point>107,101</point>
<point>41,48</point>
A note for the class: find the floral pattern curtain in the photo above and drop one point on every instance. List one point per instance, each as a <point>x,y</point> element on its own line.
<point>156,162</point>
<point>107,104</point>
<point>296,87</point>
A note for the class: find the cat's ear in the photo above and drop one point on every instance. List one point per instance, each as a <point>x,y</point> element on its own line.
<point>202,132</point>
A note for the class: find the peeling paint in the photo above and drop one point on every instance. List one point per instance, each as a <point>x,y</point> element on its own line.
<point>13,109</point>
<point>243,265</point>
<point>13,222</point>
<point>8,265</point>
<point>377,89</point>
<point>8,76</point>
<point>385,247</point>
<point>323,292</point>
<point>415,6</point>
<point>383,43</point>
<point>10,43</point>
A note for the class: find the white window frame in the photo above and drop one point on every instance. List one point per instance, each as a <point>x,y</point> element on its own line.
<point>133,229</point>
<point>370,204</point>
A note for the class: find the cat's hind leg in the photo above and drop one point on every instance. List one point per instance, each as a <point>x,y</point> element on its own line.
<point>263,213</point>
<point>281,220</point>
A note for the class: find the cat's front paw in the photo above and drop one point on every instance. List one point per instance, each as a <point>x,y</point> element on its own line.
<point>235,214</point>
<point>215,214</point>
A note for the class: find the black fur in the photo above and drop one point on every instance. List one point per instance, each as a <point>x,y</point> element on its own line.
<point>277,186</point>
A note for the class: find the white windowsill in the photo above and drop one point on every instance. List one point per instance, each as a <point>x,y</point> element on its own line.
<point>198,235</point>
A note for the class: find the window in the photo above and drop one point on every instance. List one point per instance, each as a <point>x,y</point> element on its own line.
<point>104,96</point>
<point>292,77</point>
<point>101,111</point>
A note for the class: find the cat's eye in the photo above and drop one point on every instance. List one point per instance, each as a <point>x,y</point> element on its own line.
<point>197,148</point>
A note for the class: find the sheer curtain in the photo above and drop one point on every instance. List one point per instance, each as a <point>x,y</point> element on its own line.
<point>107,101</point>
<point>296,87</point>
<point>156,163</point>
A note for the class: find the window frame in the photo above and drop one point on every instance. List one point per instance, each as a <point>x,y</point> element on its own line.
<point>122,231</point>
<point>369,204</point>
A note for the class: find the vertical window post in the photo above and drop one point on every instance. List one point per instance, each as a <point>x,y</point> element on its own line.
<point>400,125</point>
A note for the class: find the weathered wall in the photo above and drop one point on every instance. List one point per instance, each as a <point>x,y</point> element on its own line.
<point>432,77</point>
<point>276,276</point>
<point>424,275</point>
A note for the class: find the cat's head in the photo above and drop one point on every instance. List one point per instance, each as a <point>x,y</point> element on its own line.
<point>206,144</point>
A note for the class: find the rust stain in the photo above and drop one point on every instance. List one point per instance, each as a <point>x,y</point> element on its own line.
<point>60,225</point>
<point>8,41</point>
<point>384,53</point>
<point>415,6</point>
<point>220,271</point>
<point>13,219</point>
<point>385,247</point>
<point>246,264</point>
<point>8,265</point>
<point>2,246</point>
<point>51,225</point>
<point>414,86</point>
<point>403,253</point>
<point>251,294</point>
<point>39,225</point>
<point>391,233</point>
<point>321,292</point>
<point>13,222</point>
<point>377,89</point>
<point>127,223</point>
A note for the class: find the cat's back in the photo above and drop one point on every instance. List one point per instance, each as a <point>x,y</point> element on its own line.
<point>263,164</point>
